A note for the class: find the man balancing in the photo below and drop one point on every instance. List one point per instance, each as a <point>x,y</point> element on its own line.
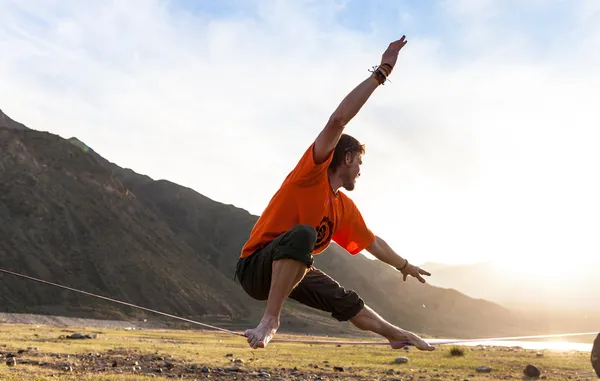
<point>306,214</point>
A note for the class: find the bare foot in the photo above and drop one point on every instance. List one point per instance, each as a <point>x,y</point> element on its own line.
<point>260,336</point>
<point>406,338</point>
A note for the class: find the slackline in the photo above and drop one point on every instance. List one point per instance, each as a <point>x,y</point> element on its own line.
<point>331,342</point>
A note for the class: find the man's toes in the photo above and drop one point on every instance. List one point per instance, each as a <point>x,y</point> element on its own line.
<point>254,342</point>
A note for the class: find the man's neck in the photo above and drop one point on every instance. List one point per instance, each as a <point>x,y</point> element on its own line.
<point>334,182</point>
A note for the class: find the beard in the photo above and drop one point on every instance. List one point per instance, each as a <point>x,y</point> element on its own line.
<point>349,184</point>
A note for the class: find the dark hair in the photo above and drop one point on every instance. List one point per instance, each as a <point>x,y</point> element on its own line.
<point>346,144</point>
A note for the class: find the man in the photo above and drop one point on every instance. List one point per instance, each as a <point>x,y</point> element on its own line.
<point>305,215</point>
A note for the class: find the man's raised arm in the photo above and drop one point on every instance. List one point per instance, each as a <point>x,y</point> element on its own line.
<point>353,102</point>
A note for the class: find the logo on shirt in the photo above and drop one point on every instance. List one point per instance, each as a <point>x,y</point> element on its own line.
<point>324,232</point>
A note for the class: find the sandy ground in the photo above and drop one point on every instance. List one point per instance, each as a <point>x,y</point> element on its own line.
<point>62,321</point>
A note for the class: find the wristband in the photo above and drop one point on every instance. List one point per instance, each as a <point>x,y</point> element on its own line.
<point>402,268</point>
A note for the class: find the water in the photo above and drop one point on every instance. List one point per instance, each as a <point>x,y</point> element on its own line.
<point>564,346</point>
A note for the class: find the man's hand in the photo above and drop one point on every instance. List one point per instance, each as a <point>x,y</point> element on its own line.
<point>414,271</point>
<point>390,56</point>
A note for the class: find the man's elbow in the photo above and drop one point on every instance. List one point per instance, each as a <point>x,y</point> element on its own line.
<point>375,247</point>
<point>336,121</point>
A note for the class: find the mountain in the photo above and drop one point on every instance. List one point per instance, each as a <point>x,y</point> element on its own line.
<point>70,216</point>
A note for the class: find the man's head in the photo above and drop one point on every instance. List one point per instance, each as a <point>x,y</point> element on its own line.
<point>346,161</point>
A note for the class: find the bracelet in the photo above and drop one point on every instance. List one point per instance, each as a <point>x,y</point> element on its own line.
<point>379,76</point>
<point>388,69</point>
<point>402,268</point>
<point>380,73</point>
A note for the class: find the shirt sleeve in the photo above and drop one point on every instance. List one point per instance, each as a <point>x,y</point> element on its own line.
<point>353,233</point>
<point>307,172</point>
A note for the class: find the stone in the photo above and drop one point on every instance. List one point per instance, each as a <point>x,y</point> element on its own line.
<point>532,371</point>
<point>11,361</point>
<point>401,360</point>
<point>483,369</point>
<point>338,368</point>
<point>595,356</point>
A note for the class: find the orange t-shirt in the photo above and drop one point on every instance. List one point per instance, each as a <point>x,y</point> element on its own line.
<point>305,197</point>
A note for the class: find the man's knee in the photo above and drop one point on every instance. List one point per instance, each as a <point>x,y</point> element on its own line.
<point>348,306</point>
<point>303,236</point>
<point>298,244</point>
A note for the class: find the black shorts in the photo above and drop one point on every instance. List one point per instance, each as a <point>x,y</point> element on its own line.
<point>317,289</point>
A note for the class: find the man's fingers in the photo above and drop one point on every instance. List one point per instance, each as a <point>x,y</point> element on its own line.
<point>423,272</point>
<point>405,275</point>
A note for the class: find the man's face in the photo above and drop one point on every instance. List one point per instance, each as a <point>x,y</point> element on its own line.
<point>351,170</point>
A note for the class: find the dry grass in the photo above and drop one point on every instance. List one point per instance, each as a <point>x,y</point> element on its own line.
<point>47,356</point>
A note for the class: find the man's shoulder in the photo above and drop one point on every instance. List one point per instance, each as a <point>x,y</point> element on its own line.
<point>307,170</point>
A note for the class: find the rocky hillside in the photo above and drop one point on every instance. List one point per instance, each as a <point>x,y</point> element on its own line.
<point>70,216</point>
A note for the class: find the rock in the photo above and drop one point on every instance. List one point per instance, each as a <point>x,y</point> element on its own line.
<point>229,355</point>
<point>595,356</point>
<point>115,364</point>
<point>531,371</point>
<point>205,370</point>
<point>264,375</point>
<point>21,351</point>
<point>539,354</point>
<point>169,365</point>
<point>401,360</point>
<point>338,368</point>
<point>483,369</point>
<point>79,336</point>
<point>11,361</point>
<point>238,361</point>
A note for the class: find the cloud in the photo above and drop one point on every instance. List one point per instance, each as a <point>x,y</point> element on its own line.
<point>481,147</point>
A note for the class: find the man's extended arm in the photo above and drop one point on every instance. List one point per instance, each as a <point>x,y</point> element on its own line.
<point>352,103</point>
<point>382,251</point>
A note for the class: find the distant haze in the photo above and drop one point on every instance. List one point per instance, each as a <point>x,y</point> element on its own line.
<point>524,287</point>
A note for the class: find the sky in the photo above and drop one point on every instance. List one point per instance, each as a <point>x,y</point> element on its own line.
<point>482,147</point>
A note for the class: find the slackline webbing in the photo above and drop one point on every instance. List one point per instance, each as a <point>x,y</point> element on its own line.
<point>331,342</point>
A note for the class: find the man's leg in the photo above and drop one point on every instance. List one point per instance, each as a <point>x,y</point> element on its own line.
<point>272,273</point>
<point>320,291</point>
<point>286,275</point>
<point>369,320</point>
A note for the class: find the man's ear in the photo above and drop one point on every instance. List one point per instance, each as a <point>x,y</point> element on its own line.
<point>348,158</point>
